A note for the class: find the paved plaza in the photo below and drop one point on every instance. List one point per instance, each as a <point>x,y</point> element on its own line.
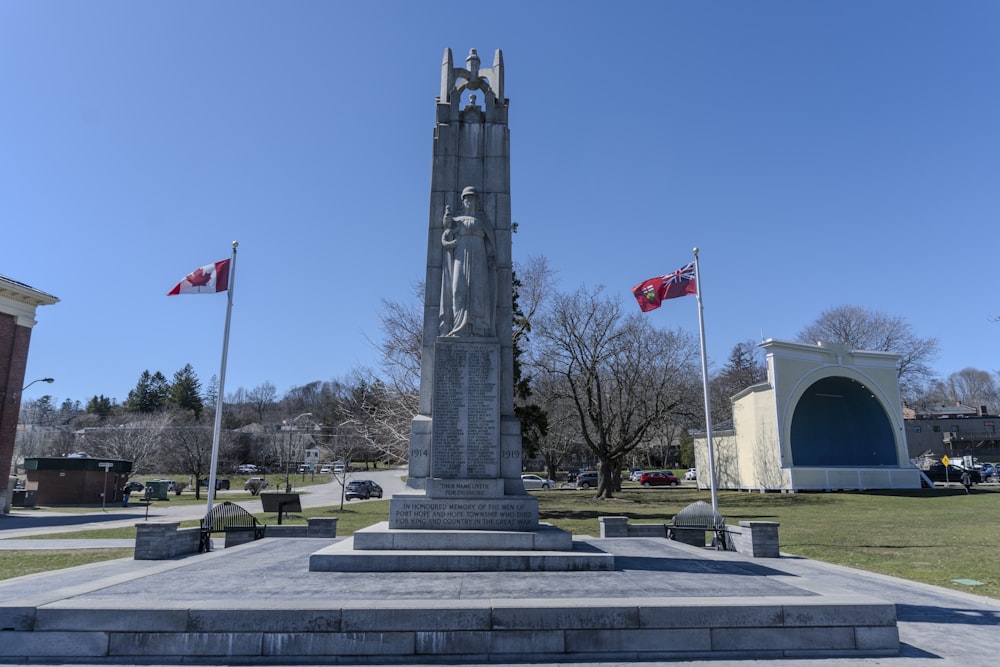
<point>936,626</point>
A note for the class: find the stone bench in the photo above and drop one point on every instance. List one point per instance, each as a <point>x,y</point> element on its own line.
<point>758,539</point>
<point>161,540</point>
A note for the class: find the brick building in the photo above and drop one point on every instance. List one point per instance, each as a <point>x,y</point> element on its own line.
<point>955,430</point>
<point>18,303</point>
<point>68,480</point>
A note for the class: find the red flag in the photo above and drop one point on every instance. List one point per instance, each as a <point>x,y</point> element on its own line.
<point>207,279</point>
<point>650,293</point>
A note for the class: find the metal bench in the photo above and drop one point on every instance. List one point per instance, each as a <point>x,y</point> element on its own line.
<point>691,523</point>
<point>226,518</point>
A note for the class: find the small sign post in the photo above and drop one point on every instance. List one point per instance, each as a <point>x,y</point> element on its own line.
<point>107,465</point>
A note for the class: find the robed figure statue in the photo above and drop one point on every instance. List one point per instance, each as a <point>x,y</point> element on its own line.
<point>468,282</point>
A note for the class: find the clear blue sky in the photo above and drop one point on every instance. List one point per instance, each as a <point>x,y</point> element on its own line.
<point>818,153</point>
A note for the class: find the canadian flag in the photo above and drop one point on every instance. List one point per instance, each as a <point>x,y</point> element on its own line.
<point>207,279</point>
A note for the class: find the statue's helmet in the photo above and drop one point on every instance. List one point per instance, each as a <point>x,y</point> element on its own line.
<point>470,191</point>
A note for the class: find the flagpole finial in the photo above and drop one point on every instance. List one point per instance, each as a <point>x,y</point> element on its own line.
<point>235,244</point>
<point>695,251</point>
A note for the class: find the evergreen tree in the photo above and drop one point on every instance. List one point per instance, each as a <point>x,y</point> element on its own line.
<point>99,405</point>
<point>150,393</point>
<point>185,392</point>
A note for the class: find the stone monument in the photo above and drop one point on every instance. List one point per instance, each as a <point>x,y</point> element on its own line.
<point>465,507</point>
<point>465,443</point>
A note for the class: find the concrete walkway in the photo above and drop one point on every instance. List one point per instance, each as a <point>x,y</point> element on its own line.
<point>937,627</point>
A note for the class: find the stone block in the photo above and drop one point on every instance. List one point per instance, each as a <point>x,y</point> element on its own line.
<point>694,537</point>
<point>316,645</point>
<point>264,619</point>
<point>613,526</point>
<point>444,642</point>
<point>169,644</point>
<point>397,618</point>
<point>885,638</point>
<point>686,615</point>
<point>528,643</point>
<point>74,645</point>
<point>163,540</point>
<point>550,538</point>
<point>835,612</point>
<point>497,174</point>
<point>129,619</point>
<point>759,539</point>
<point>638,641</point>
<point>647,530</point>
<point>563,616</point>
<point>16,618</point>
<point>237,537</point>
<point>321,526</point>
<point>295,530</point>
<point>782,639</point>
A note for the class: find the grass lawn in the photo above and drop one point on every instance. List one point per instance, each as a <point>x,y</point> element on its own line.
<point>933,536</point>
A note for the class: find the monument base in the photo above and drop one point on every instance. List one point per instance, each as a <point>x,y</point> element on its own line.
<point>379,548</point>
<point>505,513</point>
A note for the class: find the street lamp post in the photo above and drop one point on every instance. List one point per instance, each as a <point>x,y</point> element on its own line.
<point>49,380</point>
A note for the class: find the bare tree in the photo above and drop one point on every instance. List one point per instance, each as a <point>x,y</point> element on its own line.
<point>969,386</point>
<point>402,325</point>
<point>262,397</point>
<point>187,448</point>
<point>136,440</point>
<point>561,442</point>
<point>622,377</point>
<point>863,329</point>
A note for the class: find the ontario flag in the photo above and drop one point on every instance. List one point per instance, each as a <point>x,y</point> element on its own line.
<point>207,279</point>
<point>651,293</point>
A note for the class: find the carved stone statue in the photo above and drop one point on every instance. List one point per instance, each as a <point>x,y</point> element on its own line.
<point>468,282</point>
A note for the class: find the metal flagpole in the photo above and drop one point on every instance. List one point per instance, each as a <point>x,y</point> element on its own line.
<point>217,430</point>
<point>704,379</point>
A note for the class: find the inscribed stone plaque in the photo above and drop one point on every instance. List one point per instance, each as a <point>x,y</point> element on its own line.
<point>518,513</point>
<point>466,409</point>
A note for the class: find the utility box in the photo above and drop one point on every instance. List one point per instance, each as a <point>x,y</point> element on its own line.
<point>158,489</point>
<point>24,498</point>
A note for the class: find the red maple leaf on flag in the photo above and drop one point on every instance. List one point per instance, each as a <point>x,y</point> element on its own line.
<point>199,278</point>
<point>207,279</point>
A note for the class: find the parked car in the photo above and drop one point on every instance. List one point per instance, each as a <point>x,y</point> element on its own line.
<point>586,479</point>
<point>255,483</point>
<point>133,487</point>
<point>535,482</point>
<point>691,474</point>
<point>634,474</point>
<point>937,473</point>
<point>220,483</point>
<point>659,478</point>
<point>362,489</point>
<point>246,469</point>
<point>325,470</point>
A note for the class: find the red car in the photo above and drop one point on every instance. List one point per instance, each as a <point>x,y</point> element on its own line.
<point>661,478</point>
